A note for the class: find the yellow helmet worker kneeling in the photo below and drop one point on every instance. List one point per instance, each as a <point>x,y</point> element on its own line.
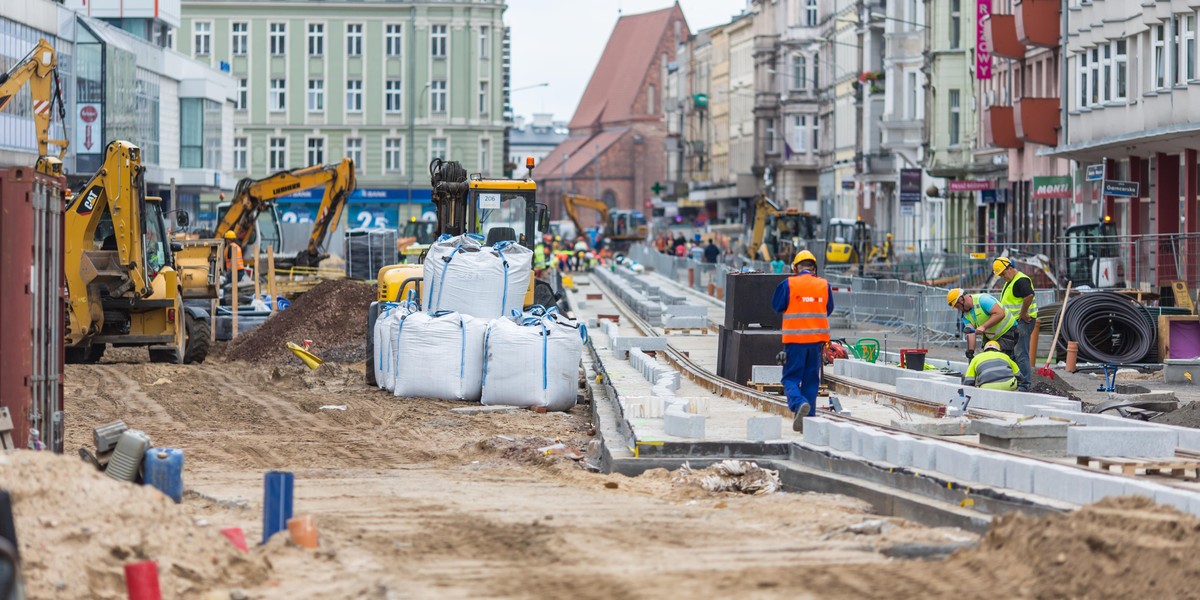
<point>992,369</point>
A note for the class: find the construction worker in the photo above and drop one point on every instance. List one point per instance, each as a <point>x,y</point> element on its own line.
<point>806,302</point>
<point>233,257</point>
<point>983,315</point>
<point>1018,300</point>
<point>992,369</point>
<point>539,256</point>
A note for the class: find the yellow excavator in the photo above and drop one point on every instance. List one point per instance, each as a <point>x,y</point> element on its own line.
<point>199,261</point>
<point>851,242</point>
<point>39,69</point>
<point>623,227</point>
<point>778,228</point>
<point>498,209</point>
<point>121,280</point>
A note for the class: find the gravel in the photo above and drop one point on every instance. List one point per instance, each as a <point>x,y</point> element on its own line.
<point>333,315</point>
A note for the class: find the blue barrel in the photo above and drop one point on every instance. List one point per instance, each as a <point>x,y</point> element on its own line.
<point>164,471</point>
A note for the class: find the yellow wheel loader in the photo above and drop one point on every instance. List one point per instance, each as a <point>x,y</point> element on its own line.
<point>122,284</point>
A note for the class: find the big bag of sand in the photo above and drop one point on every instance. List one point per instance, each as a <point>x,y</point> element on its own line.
<point>532,360</point>
<point>463,275</point>
<point>439,355</point>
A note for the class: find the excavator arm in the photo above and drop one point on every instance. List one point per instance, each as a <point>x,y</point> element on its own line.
<point>762,210</point>
<point>39,69</point>
<point>337,190</point>
<point>573,202</point>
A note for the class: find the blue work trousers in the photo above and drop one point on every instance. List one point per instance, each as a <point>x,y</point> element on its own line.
<point>802,375</point>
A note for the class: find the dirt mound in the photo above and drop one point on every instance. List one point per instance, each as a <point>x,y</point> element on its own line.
<point>1053,387</point>
<point>333,315</point>
<point>1187,415</point>
<point>1120,547</point>
<point>77,529</point>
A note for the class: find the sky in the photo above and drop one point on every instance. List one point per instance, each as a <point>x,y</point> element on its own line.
<point>560,41</point>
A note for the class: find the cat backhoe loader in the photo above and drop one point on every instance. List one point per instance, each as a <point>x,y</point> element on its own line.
<point>121,279</point>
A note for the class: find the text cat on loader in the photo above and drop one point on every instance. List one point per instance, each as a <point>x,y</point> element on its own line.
<point>122,285</point>
<point>498,209</point>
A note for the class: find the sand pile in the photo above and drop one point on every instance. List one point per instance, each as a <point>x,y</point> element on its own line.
<point>1125,547</point>
<point>77,529</point>
<point>1187,415</point>
<point>333,315</point>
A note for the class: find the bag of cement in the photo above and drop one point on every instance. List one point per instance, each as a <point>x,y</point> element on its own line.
<point>532,360</point>
<point>386,323</point>
<point>438,355</point>
<point>463,275</point>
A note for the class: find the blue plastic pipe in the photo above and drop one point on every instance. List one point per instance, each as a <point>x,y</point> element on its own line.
<point>277,502</point>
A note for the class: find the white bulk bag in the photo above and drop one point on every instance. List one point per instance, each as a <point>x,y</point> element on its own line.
<point>533,361</point>
<point>465,276</point>
<point>385,334</point>
<point>439,355</point>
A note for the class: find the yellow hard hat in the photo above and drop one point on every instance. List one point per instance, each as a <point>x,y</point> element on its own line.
<point>999,265</point>
<point>229,235</point>
<point>992,345</point>
<point>953,296</point>
<point>802,256</point>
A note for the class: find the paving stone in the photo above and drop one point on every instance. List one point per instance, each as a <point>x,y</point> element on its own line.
<point>675,322</point>
<point>874,445</point>
<point>1005,428</point>
<point>1120,441</point>
<point>840,436</point>
<point>1062,483</point>
<point>1106,486</point>
<point>991,468</point>
<point>1018,474</point>
<point>924,455</point>
<point>685,310</point>
<point>899,450</point>
<point>622,344</point>
<point>766,373</point>
<point>1174,497</point>
<point>944,391</point>
<point>929,426</point>
<point>761,428</point>
<point>682,424</point>
<point>958,462</point>
<point>816,431</point>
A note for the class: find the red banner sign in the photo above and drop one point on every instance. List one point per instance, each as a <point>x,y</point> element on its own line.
<point>983,54</point>
<point>970,186</point>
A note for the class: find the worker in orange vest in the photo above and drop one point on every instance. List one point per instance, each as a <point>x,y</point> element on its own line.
<point>806,301</point>
<point>233,257</point>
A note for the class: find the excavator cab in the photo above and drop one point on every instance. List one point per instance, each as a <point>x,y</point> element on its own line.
<point>506,210</point>
<point>840,242</point>
<point>1093,254</point>
<point>416,236</point>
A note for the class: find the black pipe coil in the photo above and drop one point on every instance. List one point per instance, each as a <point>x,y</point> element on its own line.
<point>1109,328</point>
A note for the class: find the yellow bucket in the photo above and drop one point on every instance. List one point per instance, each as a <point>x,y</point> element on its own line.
<point>312,360</point>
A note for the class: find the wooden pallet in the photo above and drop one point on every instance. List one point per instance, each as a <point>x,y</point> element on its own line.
<point>685,330</point>
<point>767,388</point>
<point>1178,467</point>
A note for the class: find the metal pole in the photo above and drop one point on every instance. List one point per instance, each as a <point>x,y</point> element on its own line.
<point>412,53</point>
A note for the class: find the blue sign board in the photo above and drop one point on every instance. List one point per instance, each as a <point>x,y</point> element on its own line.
<point>1122,189</point>
<point>1094,172</point>
<point>364,196</point>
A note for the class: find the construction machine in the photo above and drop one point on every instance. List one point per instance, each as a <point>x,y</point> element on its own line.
<point>415,237</point>
<point>849,242</point>
<point>780,229</point>
<point>122,284</point>
<point>39,69</point>
<point>498,209</point>
<point>623,227</point>
<point>1094,255</point>
<point>251,216</point>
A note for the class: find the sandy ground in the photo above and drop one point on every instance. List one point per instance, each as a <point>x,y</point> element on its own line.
<point>415,501</point>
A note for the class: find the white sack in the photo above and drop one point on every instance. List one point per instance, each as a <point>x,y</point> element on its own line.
<point>439,355</point>
<point>385,333</point>
<point>533,362</point>
<point>465,276</point>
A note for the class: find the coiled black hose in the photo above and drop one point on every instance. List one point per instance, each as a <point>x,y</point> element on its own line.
<point>1109,328</point>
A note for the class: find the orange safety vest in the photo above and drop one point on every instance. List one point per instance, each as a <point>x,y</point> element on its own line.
<point>233,257</point>
<point>805,320</point>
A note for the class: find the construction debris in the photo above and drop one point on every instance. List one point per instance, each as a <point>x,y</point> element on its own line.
<point>333,315</point>
<point>739,476</point>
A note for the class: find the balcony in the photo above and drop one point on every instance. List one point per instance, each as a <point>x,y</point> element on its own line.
<point>999,129</point>
<point>1037,120</point>
<point>1000,31</point>
<point>1038,22</point>
<point>882,163</point>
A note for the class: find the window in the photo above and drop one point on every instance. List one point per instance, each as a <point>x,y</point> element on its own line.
<point>955,24</point>
<point>955,118</point>
<point>769,142</point>
<point>243,94</point>
<point>485,156</point>
<point>650,96</point>
<point>278,39</point>
<point>485,98</point>
<point>437,40</point>
<point>393,99</point>
<point>437,148</point>
<point>393,155</point>
<point>810,13</point>
<point>800,133</point>
<point>354,37</point>
<point>316,95</point>
<point>277,154</point>
<point>354,151</point>
<point>910,110</point>
<point>1121,64</point>
<point>316,39</point>
<point>203,45</point>
<point>392,35</point>
<point>913,15</point>
<point>354,93</point>
<point>799,72</point>
<point>1083,79</point>
<point>815,133</point>
<point>1173,70</point>
<point>316,151</point>
<point>239,153</point>
<point>1189,48</point>
<point>240,41</point>
<point>1160,57</point>
<point>191,133</point>
<point>278,97</point>
<point>437,96</point>
<point>1106,73</point>
<point>1094,61</point>
<point>485,41</point>
<point>816,82</point>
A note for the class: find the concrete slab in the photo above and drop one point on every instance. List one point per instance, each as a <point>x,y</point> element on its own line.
<point>1174,497</point>
<point>874,445</point>
<point>685,310</point>
<point>1018,474</point>
<point>766,373</point>
<point>1176,370</point>
<point>930,426</point>
<point>761,428</point>
<point>840,436</point>
<point>924,454</point>
<point>881,373</point>
<point>899,450</point>
<point>960,463</point>
<point>681,424</point>
<point>1005,428</point>
<point>1106,486</point>
<point>816,431</point>
<point>1120,441</point>
<point>992,469</point>
<point>676,322</point>
<point>1062,483</point>
<point>943,392</point>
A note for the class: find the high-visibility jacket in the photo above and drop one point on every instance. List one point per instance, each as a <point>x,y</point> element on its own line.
<point>990,366</point>
<point>977,316</point>
<point>233,257</point>
<point>1011,303</point>
<point>539,256</point>
<point>806,320</point>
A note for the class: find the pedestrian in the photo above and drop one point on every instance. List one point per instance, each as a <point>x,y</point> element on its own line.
<point>711,252</point>
<point>1019,301</point>
<point>806,301</point>
<point>777,265</point>
<point>983,315</point>
<point>696,251</point>
<point>992,369</point>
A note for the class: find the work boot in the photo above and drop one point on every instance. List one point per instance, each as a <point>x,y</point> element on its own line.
<point>798,422</point>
